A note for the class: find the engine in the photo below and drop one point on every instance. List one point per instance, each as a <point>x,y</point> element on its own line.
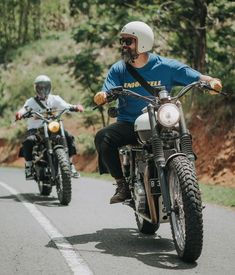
<point>139,190</point>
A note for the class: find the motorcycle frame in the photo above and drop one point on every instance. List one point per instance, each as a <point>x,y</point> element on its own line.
<point>161,162</point>
<point>159,159</point>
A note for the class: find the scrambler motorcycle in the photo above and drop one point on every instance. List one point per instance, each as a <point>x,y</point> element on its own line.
<point>51,164</point>
<point>160,170</point>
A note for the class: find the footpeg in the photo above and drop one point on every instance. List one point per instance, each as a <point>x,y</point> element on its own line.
<point>129,202</point>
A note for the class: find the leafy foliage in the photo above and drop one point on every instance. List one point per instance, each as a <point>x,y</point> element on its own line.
<point>3,102</point>
<point>221,41</point>
<point>101,24</point>
<point>25,20</point>
<point>87,142</point>
<point>201,33</point>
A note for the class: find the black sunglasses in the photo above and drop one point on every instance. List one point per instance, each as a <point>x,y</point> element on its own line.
<point>128,41</point>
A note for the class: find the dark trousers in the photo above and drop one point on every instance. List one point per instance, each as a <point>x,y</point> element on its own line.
<point>31,139</point>
<point>107,142</point>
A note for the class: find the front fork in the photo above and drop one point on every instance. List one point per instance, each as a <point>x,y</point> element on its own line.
<point>65,144</point>
<point>64,140</point>
<point>159,159</point>
<point>49,151</point>
<point>185,138</point>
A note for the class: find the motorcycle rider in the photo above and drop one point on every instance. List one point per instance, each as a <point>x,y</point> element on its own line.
<point>136,39</point>
<point>43,100</point>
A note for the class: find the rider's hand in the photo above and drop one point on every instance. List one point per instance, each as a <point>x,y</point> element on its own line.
<point>18,116</point>
<point>215,85</point>
<point>100,98</point>
<point>20,113</point>
<point>78,108</point>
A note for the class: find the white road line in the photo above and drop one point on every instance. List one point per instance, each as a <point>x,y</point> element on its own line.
<point>72,257</point>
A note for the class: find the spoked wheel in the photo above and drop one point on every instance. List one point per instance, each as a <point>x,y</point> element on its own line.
<point>63,184</point>
<point>44,188</point>
<point>186,217</point>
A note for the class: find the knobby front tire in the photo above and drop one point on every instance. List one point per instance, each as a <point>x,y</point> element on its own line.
<point>64,188</point>
<point>186,217</point>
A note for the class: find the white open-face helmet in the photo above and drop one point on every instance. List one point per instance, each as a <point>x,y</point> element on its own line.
<point>42,86</point>
<point>143,34</point>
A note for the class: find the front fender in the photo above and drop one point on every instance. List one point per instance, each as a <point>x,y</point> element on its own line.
<point>173,156</point>
<point>58,146</point>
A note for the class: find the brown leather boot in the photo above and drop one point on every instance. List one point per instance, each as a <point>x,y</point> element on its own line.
<point>122,192</point>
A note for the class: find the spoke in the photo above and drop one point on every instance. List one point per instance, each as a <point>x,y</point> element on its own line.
<point>177,203</point>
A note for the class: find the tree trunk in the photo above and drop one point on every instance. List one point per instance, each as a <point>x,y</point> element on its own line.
<point>200,55</point>
<point>21,17</point>
<point>26,22</point>
<point>36,15</point>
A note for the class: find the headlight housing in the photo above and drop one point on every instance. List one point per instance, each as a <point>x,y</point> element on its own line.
<point>54,126</point>
<point>168,115</point>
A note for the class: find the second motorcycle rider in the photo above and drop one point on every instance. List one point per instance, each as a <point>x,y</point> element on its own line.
<point>43,100</point>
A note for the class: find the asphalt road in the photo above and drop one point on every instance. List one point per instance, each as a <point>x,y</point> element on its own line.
<point>90,236</point>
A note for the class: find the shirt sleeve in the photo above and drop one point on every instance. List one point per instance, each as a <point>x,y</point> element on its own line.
<point>60,103</point>
<point>113,78</point>
<point>183,74</point>
<point>27,104</point>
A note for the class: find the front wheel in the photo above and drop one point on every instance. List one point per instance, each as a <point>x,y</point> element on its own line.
<point>186,216</point>
<point>63,183</point>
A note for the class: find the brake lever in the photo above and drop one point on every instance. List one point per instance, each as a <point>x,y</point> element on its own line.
<point>206,86</point>
<point>95,107</point>
<point>27,114</point>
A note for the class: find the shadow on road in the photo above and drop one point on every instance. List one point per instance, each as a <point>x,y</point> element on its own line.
<point>35,199</point>
<point>128,242</point>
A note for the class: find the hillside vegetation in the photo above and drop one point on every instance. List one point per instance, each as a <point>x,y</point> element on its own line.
<point>74,42</point>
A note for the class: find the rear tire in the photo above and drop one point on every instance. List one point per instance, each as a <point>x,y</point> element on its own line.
<point>63,185</point>
<point>186,219</point>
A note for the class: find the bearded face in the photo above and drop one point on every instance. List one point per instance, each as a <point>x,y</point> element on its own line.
<point>128,54</point>
<point>128,50</point>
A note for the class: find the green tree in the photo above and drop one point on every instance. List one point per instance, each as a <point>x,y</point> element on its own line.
<point>3,102</point>
<point>184,22</point>
<point>221,41</point>
<point>19,23</point>
<point>24,21</point>
<point>198,32</point>
<point>97,34</point>
<point>201,32</point>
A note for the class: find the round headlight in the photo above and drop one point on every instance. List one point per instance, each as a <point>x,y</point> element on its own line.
<point>54,126</point>
<point>168,115</point>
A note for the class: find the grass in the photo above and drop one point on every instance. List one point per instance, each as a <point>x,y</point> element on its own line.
<point>215,194</point>
<point>50,56</point>
<point>218,194</point>
<point>96,176</point>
